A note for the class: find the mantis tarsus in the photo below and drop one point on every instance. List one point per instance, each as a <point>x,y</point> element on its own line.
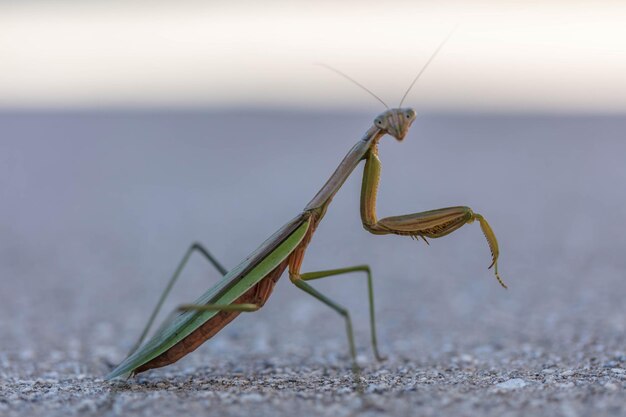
<point>247,287</point>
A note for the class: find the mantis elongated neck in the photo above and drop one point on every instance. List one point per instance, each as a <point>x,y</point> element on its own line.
<point>343,171</point>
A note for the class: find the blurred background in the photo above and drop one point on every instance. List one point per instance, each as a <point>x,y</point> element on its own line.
<point>549,56</point>
<point>129,129</point>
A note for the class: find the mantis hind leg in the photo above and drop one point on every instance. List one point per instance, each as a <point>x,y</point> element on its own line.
<point>370,292</point>
<point>195,247</point>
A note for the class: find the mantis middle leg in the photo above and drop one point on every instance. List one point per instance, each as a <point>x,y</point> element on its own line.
<point>299,281</point>
<point>432,224</point>
<point>309,276</point>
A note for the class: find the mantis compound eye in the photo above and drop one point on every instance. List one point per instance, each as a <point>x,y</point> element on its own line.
<point>410,114</point>
<point>379,122</point>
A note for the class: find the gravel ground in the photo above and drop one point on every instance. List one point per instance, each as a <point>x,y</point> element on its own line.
<point>98,208</point>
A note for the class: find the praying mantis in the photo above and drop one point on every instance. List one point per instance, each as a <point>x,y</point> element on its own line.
<point>247,287</point>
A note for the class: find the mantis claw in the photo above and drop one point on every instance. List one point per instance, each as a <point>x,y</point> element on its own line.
<point>493,246</point>
<point>500,279</point>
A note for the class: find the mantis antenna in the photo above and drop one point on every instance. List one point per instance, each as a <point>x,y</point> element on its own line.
<point>336,71</point>
<point>428,63</point>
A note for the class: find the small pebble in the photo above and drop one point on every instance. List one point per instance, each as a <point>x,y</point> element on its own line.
<point>514,383</point>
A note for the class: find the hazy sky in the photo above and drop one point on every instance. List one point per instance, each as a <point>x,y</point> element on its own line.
<point>529,56</point>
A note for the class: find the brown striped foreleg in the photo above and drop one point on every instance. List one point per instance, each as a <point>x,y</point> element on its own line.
<point>426,224</point>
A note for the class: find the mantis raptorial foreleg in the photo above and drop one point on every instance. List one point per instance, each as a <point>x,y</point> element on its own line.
<point>195,247</point>
<point>432,224</point>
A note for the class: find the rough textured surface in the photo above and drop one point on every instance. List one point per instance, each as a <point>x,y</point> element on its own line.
<point>98,208</point>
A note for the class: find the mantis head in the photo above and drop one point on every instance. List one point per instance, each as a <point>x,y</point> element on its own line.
<point>396,122</point>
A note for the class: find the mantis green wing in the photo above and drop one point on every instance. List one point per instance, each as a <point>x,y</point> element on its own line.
<point>234,284</point>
